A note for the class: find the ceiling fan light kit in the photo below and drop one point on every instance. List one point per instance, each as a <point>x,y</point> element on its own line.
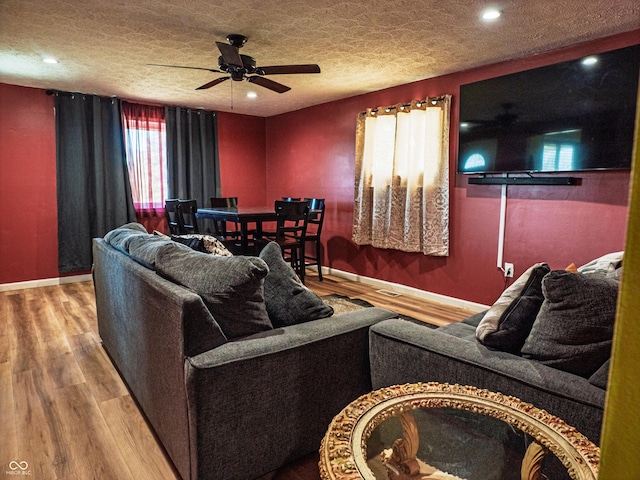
<point>243,67</point>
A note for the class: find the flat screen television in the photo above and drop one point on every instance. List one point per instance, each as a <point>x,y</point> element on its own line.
<point>572,116</point>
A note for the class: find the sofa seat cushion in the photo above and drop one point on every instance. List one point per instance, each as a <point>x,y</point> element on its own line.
<point>601,376</point>
<point>509,320</point>
<point>403,352</point>
<point>232,288</point>
<point>461,330</point>
<point>461,354</point>
<point>475,319</point>
<point>574,329</point>
<point>288,301</point>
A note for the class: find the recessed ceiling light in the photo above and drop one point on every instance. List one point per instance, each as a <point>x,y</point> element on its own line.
<point>491,14</point>
<point>590,60</point>
<point>252,95</point>
<point>50,60</point>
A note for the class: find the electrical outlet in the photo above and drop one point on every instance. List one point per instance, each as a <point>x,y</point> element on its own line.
<point>508,269</point>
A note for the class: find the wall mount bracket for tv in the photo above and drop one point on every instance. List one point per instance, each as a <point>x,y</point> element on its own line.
<point>482,180</point>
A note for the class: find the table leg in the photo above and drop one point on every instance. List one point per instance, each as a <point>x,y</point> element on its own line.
<point>244,241</point>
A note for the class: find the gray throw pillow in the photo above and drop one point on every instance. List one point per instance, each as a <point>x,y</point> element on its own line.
<point>143,249</point>
<point>604,264</point>
<point>574,328</point>
<point>231,287</point>
<point>288,301</point>
<point>506,325</point>
<point>120,237</point>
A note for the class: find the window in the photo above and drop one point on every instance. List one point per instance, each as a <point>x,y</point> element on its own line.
<point>559,150</point>
<point>475,161</point>
<point>146,147</point>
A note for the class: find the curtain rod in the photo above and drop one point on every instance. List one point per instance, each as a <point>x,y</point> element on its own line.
<point>71,94</point>
<point>406,105</point>
<point>52,92</point>
<point>62,92</point>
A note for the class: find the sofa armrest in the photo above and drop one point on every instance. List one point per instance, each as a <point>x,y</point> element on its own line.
<point>293,336</point>
<point>263,401</point>
<point>148,325</point>
<point>404,352</point>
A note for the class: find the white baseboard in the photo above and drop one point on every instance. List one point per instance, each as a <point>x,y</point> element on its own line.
<point>380,284</point>
<point>45,282</point>
<point>403,289</point>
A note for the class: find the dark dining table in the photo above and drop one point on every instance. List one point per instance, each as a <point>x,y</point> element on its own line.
<point>244,216</point>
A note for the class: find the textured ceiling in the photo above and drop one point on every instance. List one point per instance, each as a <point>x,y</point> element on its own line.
<point>104,46</point>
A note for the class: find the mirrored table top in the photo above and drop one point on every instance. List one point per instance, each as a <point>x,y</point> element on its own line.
<point>431,431</point>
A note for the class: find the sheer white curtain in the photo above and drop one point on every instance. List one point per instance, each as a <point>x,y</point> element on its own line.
<point>402,177</point>
<point>146,146</point>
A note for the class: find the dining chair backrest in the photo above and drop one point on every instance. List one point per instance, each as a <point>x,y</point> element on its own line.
<point>222,202</point>
<point>314,229</point>
<point>172,216</point>
<point>316,216</point>
<point>315,203</point>
<point>291,218</point>
<point>220,226</point>
<point>187,210</point>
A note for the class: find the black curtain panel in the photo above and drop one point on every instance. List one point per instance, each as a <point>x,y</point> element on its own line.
<point>94,194</point>
<point>192,154</point>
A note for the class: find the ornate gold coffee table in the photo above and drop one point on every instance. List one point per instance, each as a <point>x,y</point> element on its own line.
<point>439,431</point>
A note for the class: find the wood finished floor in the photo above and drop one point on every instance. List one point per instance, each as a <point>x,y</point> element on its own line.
<point>63,407</point>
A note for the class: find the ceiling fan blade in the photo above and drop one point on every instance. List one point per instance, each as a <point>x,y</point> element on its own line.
<point>181,66</point>
<point>284,69</point>
<point>270,84</point>
<point>230,54</point>
<point>213,83</point>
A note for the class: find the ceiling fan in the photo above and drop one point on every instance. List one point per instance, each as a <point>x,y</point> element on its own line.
<point>504,119</point>
<point>243,67</point>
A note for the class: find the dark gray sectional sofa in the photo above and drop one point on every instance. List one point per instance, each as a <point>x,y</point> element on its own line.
<point>239,370</point>
<point>546,340</point>
<point>223,408</point>
<point>404,352</point>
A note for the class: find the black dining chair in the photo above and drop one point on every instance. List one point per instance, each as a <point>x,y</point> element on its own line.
<point>291,199</point>
<point>187,211</point>
<point>284,199</point>
<point>291,230</point>
<point>232,239</point>
<point>314,229</point>
<point>223,202</point>
<point>172,216</point>
<point>220,228</point>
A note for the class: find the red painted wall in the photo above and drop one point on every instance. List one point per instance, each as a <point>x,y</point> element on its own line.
<point>310,152</point>
<point>29,228</point>
<point>29,231</point>
<point>241,146</point>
